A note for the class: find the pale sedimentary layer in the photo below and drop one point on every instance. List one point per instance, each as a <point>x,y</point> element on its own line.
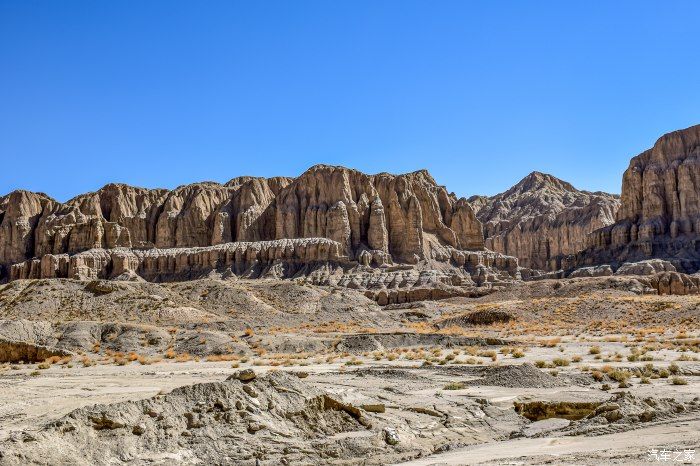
<point>318,261</point>
<point>243,259</point>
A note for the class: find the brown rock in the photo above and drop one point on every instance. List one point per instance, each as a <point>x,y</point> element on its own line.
<point>244,375</point>
<point>660,212</point>
<point>20,213</point>
<point>673,283</point>
<point>542,220</point>
<point>375,219</point>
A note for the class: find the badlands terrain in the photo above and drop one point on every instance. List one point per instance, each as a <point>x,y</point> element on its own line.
<point>345,318</point>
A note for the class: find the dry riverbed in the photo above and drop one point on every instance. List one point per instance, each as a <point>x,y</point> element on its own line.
<point>578,400</point>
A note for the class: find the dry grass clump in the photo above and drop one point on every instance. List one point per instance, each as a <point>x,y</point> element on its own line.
<point>221,357</point>
<point>48,362</point>
<point>146,361</point>
<point>326,327</point>
<point>679,381</point>
<point>183,357</point>
<point>488,354</point>
<point>551,343</point>
<point>514,352</point>
<point>454,386</point>
<point>618,375</point>
<point>120,361</point>
<point>87,361</point>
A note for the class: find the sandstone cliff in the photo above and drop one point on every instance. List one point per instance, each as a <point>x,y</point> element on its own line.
<point>356,218</point>
<point>660,212</point>
<point>542,220</point>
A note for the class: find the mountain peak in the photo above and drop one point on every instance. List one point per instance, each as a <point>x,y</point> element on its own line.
<point>536,181</point>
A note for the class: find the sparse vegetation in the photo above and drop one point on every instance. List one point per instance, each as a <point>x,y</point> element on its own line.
<point>454,386</point>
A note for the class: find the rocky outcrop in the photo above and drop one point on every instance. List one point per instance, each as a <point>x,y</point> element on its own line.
<point>22,351</point>
<point>243,259</point>
<point>660,212</point>
<point>317,261</point>
<point>673,283</point>
<point>20,214</point>
<point>374,219</point>
<point>543,220</point>
<point>403,216</point>
<point>647,267</point>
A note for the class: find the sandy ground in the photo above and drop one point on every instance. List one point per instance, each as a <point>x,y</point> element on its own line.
<point>411,392</point>
<point>630,447</point>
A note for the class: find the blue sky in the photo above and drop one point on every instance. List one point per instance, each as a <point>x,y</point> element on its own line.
<point>159,94</point>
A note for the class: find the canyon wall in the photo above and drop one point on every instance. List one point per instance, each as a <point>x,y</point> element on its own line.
<point>370,219</point>
<point>660,212</point>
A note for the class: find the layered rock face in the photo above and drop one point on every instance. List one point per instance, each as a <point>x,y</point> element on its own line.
<point>660,212</point>
<point>543,220</point>
<point>246,223</point>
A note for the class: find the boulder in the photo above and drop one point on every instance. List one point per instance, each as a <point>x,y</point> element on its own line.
<point>646,267</point>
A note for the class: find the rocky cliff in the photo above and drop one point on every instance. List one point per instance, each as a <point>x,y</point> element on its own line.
<point>660,212</point>
<point>542,220</point>
<point>353,218</point>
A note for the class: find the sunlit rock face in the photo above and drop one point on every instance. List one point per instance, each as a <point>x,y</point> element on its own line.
<point>372,220</point>
<point>660,212</point>
<point>543,220</point>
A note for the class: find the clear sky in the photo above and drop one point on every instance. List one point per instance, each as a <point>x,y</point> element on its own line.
<point>164,93</point>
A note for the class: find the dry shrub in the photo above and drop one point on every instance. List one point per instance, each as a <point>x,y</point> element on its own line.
<point>86,361</point>
<point>184,357</point>
<point>221,357</point>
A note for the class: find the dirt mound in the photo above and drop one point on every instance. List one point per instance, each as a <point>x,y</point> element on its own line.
<point>388,373</point>
<point>523,376</point>
<point>627,411</point>
<point>363,342</point>
<point>236,304</point>
<point>275,419</point>
<point>615,286</point>
<point>485,317</point>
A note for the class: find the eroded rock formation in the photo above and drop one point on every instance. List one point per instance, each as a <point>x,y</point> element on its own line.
<point>542,220</point>
<point>660,212</point>
<point>281,227</point>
